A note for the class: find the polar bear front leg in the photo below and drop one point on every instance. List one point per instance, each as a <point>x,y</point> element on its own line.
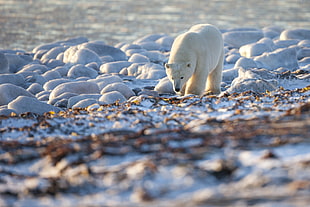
<point>214,79</point>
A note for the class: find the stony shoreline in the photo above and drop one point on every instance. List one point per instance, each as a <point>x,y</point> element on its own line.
<point>85,123</point>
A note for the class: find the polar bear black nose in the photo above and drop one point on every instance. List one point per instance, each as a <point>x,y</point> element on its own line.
<point>177,89</point>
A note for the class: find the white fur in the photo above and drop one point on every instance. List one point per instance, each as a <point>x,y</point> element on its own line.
<point>196,61</point>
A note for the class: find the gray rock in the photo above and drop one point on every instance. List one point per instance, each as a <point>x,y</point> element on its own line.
<point>106,80</point>
<point>150,46</point>
<point>84,103</point>
<point>120,87</point>
<point>29,104</point>
<point>62,70</point>
<point>240,38</point>
<point>164,86</point>
<point>82,56</point>
<point>7,112</point>
<point>138,58</point>
<point>50,85</point>
<point>79,87</point>
<point>52,63</point>
<point>15,79</point>
<point>75,99</point>
<point>37,68</point>
<point>148,38</point>
<point>285,57</point>
<point>16,62</point>
<point>65,96</point>
<point>254,49</point>
<point>9,92</point>
<point>245,63</point>
<point>51,75</point>
<point>114,67</point>
<point>165,42</point>
<point>232,59</point>
<point>112,97</point>
<point>82,71</point>
<point>155,56</point>
<point>4,64</point>
<point>285,43</point>
<point>229,75</point>
<point>53,53</point>
<point>104,50</point>
<point>35,88</point>
<point>302,53</point>
<point>301,34</point>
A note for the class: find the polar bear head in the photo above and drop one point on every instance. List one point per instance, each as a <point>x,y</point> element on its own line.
<point>179,74</point>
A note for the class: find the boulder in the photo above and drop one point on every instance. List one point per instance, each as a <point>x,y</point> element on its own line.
<point>9,92</point>
<point>240,38</point>
<point>112,97</point>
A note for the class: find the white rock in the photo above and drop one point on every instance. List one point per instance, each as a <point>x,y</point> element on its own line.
<point>230,74</point>
<point>114,67</point>
<point>51,75</point>
<point>29,104</point>
<point>53,53</point>
<point>138,58</point>
<point>84,56</point>
<point>15,79</point>
<point>240,38</point>
<point>16,62</point>
<point>62,70</point>
<point>164,86</point>
<point>4,64</point>
<point>79,87</point>
<point>255,85</point>
<point>302,53</point>
<point>65,96</point>
<point>286,57</point>
<point>285,43</point>
<point>9,92</point>
<point>35,88</point>
<point>126,47</point>
<point>84,103</point>
<point>112,97</point>
<point>120,87</point>
<point>148,38</point>
<point>301,34</point>
<point>150,45</point>
<point>155,56</point>
<point>254,49</point>
<point>245,63</point>
<point>45,47</point>
<point>154,74</point>
<point>82,71</point>
<point>106,80</point>
<point>165,42</point>
<point>130,52</point>
<point>75,99</point>
<point>232,59</point>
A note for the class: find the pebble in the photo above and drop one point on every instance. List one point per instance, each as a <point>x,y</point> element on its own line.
<point>29,104</point>
<point>9,92</point>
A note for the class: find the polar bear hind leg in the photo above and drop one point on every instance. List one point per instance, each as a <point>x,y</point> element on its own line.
<point>214,79</point>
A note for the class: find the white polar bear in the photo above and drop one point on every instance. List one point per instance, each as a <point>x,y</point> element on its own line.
<point>196,61</point>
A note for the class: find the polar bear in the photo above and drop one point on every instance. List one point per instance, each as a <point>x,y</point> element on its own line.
<point>196,61</point>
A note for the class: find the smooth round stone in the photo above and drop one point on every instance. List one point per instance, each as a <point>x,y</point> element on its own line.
<point>165,42</point>
<point>230,74</point>
<point>132,70</point>
<point>65,96</point>
<point>24,104</point>
<point>301,34</point>
<point>284,57</point>
<point>73,41</point>
<point>15,79</point>
<point>4,64</point>
<point>245,63</point>
<point>35,88</point>
<point>126,47</point>
<point>51,75</point>
<point>79,87</point>
<point>120,87</point>
<point>45,47</point>
<point>148,38</point>
<point>285,43</point>
<point>304,43</point>
<point>155,56</point>
<point>138,58</point>
<point>254,49</point>
<point>75,99</point>
<point>82,71</point>
<point>37,68</point>
<point>153,74</point>
<point>150,46</point>
<point>232,59</point>
<point>255,85</point>
<point>9,92</point>
<point>36,78</point>
<point>302,53</point>
<point>164,86</point>
<point>105,50</point>
<point>53,53</point>
<point>52,63</point>
<point>93,65</point>
<point>16,62</point>
<point>240,38</point>
<point>84,103</point>
<point>62,70</point>
<point>130,52</point>
<point>112,97</point>
<point>84,56</point>
<point>50,85</point>
<point>106,59</point>
<point>114,67</point>
<point>104,81</point>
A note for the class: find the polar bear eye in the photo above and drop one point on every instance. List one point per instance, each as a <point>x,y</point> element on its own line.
<point>167,66</point>
<point>189,65</point>
<point>181,77</point>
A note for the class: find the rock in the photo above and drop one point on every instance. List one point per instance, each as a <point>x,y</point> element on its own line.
<point>165,42</point>
<point>130,52</point>
<point>147,71</point>
<point>35,88</point>
<point>138,58</point>
<point>105,50</point>
<point>255,85</point>
<point>254,49</point>
<point>4,64</point>
<point>35,78</point>
<point>230,74</point>
<point>301,34</point>
<point>272,31</point>
<point>15,79</point>
<point>302,53</point>
<point>112,97</point>
<point>37,68</point>
<point>52,63</point>
<point>245,63</point>
<point>9,92</point>
<point>75,99</point>
<point>17,61</point>
<point>150,46</point>
<point>65,96</point>
<point>62,70</point>
<point>82,71</point>
<point>45,47</point>
<point>114,67</point>
<point>81,56</point>
<point>126,47</point>
<point>285,57</point>
<point>51,75</point>
<point>285,43</point>
<point>232,59</point>
<point>84,103</point>
<point>106,80</point>
<point>73,41</point>
<point>53,53</point>
<point>148,38</point>
<point>79,87</point>
<point>155,56</point>
<point>164,86</point>
<point>7,112</point>
<point>304,43</point>
<point>240,38</point>
<point>24,104</point>
<point>120,87</point>
<point>50,85</point>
